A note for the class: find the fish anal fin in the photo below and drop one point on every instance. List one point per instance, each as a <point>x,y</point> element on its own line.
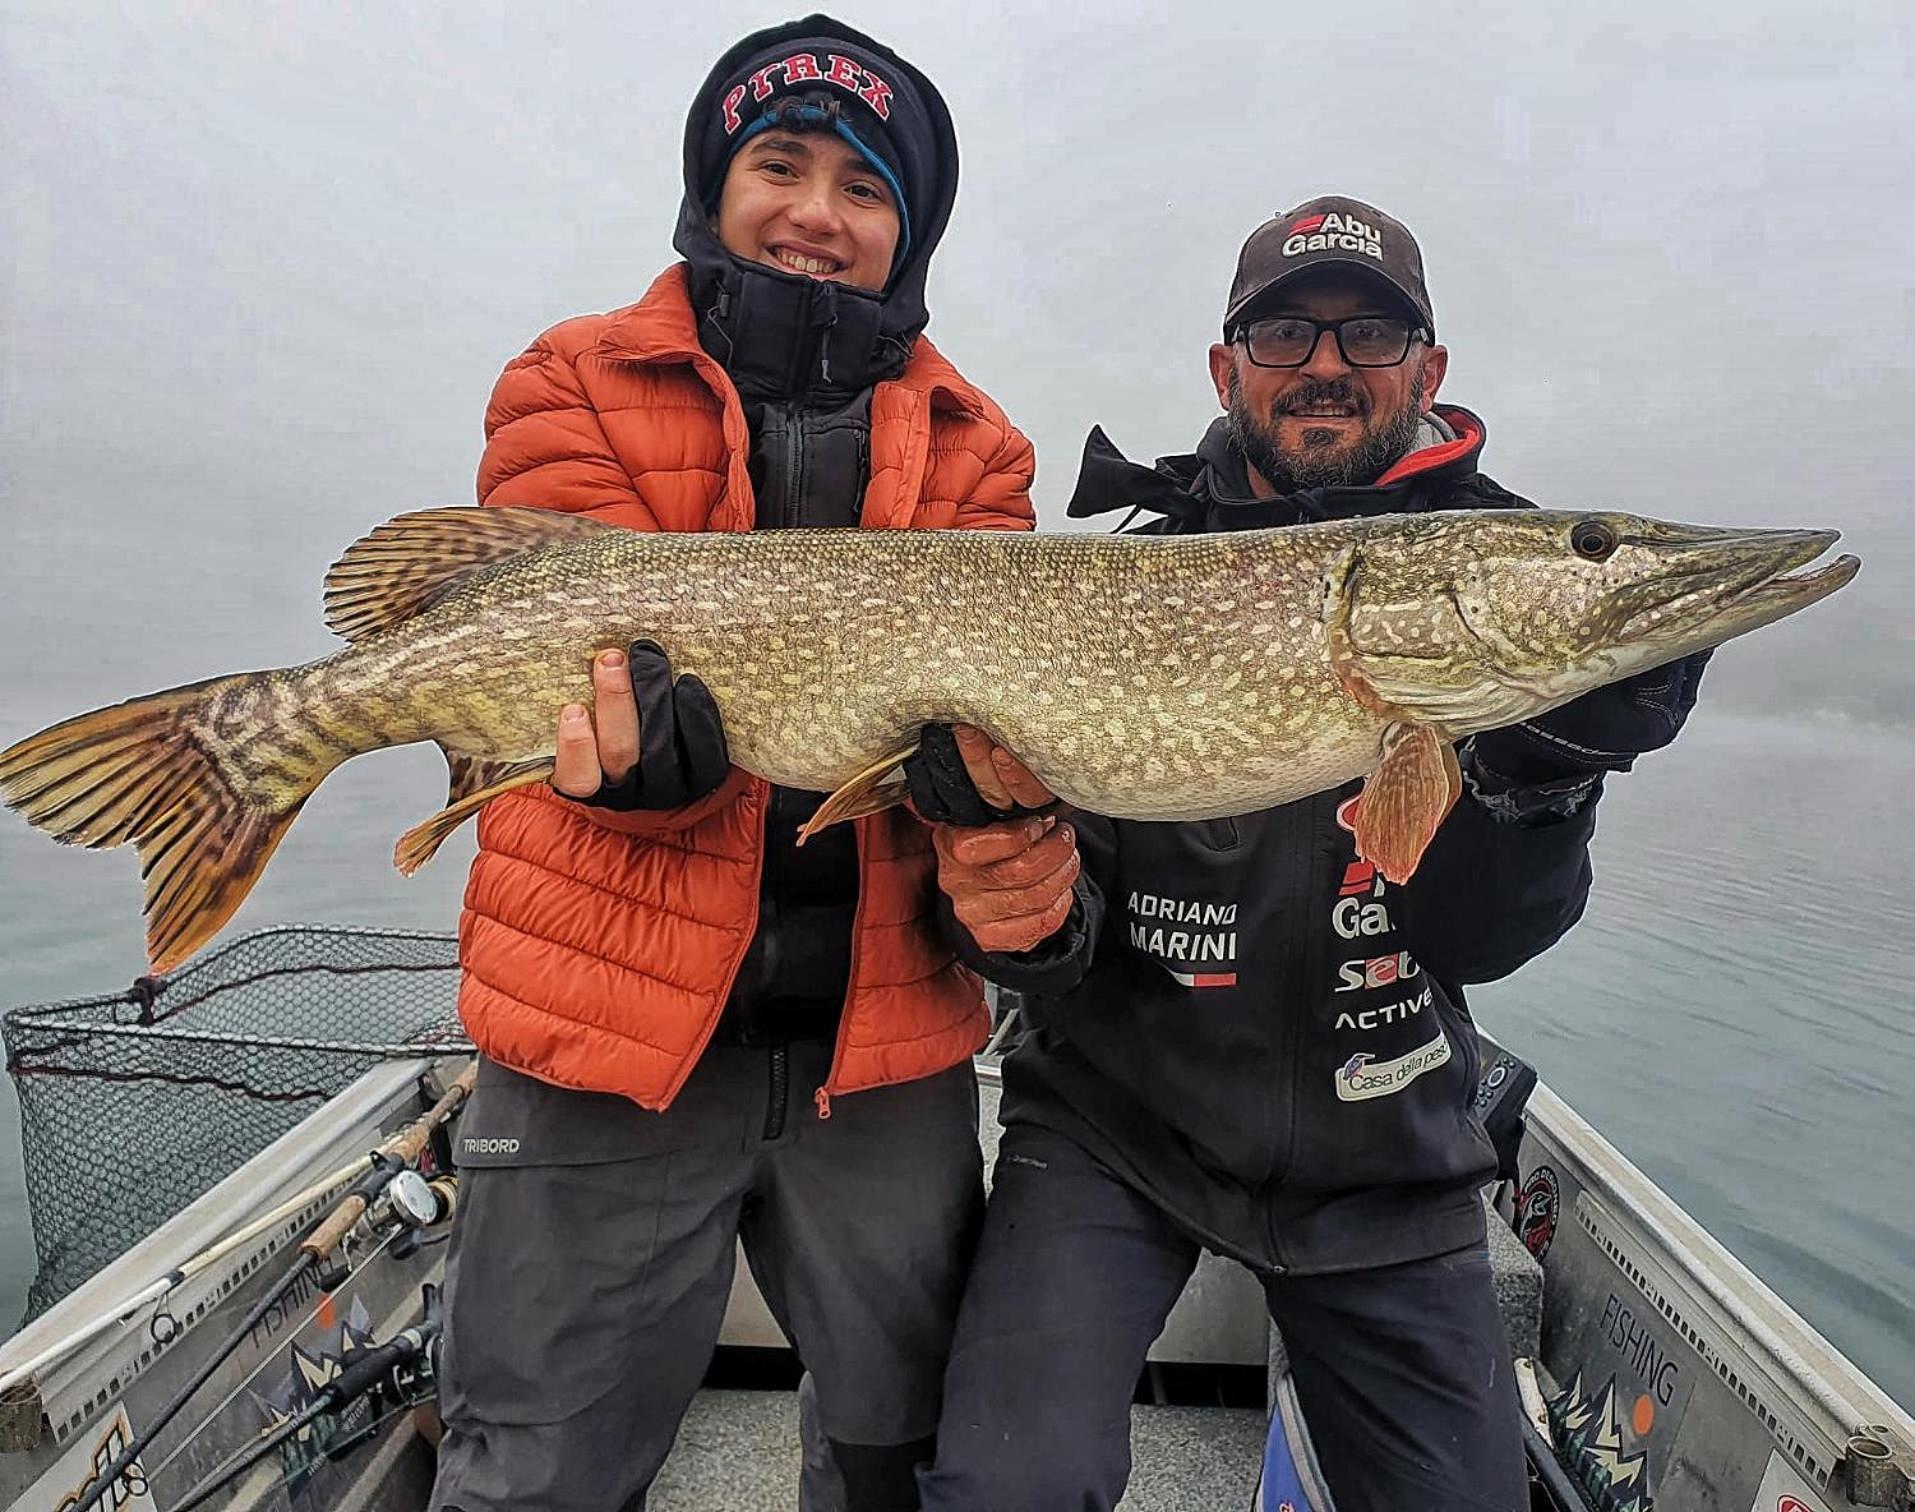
<point>467,775</point>
<point>404,565</point>
<point>1407,797</point>
<point>421,843</point>
<point>865,794</point>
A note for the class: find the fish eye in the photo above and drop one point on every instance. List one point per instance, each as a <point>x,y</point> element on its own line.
<point>1593,539</point>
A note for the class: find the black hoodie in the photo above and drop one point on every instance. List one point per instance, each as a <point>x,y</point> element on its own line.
<point>1243,1019</point>
<point>785,335</point>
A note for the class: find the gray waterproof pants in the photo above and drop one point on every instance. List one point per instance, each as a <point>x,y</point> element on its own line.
<point>1403,1372</point>
<point>593,1252</point>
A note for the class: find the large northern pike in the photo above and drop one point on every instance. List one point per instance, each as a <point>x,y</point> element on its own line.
<point>1139,677</point>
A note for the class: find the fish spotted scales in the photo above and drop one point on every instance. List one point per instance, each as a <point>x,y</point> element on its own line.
<point>1165,678</point>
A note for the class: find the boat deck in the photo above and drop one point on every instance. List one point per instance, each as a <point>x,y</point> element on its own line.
<point>739,1450</point>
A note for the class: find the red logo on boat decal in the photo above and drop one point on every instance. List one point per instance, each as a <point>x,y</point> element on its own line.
<point>1537,1207</point>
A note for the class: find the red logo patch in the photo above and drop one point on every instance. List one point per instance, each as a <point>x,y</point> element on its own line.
<point>1308,224</point>
<point>1346,813</point>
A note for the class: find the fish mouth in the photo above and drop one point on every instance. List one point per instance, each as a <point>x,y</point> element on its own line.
<point>1800,588</point>
<point>1736,582</point>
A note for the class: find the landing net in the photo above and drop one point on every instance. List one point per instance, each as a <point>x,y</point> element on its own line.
<point>134,1103</point>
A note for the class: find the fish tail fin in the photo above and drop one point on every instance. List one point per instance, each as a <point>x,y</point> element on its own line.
<point>204,780</point>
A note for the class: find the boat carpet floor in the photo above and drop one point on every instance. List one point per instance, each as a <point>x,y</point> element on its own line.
<point>738,1450</point>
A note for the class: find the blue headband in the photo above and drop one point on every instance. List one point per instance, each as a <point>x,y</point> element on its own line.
<point>815,116</point>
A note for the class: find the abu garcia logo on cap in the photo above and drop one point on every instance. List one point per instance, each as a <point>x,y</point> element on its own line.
<point>1333,233</point>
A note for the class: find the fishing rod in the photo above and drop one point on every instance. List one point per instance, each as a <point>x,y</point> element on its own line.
<point>163,1286</point>
<point>400,1370</point>
<point>397,1154</point>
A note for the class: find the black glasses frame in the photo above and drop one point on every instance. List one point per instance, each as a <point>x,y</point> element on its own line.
<point>1411,332</point>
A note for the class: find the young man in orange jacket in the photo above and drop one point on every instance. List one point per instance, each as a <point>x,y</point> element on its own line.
<point>693,1032</point>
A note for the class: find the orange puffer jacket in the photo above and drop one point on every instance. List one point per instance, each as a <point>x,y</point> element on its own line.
<point>599,947</point>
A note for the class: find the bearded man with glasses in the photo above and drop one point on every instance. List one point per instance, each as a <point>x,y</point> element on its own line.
<point>1241,1039</point>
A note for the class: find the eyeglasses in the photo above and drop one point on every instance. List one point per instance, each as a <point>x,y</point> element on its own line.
<point>1366,341</point>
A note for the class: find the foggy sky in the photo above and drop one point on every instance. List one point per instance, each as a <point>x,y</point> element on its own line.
<point>264,263</point>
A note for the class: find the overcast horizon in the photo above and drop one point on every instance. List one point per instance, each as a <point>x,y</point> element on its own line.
<point>264,268</point>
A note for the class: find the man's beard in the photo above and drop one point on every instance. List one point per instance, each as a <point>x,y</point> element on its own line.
<point>1322,459</point>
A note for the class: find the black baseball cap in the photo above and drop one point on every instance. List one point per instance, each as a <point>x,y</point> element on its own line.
<point>1328,231</point>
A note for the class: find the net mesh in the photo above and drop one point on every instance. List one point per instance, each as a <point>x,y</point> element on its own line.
<point>133,1104</point>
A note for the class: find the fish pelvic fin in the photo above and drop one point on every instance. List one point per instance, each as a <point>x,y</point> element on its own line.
<point>872,791</point>
<point>1407,797</point>
<point>201,779</point>
<point>421,843</point>
<point>407,564</point>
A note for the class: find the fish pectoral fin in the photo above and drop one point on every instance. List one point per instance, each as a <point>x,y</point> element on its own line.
<point>865,794</point>
<point>1409,794</point>
<point>421,843</point>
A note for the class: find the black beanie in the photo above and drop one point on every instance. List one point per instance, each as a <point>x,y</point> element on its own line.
<point>825,82</point>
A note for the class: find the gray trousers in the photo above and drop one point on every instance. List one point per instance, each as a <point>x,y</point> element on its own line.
<point>593,1251</point>
<point>1403,1372</point>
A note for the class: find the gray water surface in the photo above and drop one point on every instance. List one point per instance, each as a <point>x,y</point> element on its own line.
<point>1734,1011</point>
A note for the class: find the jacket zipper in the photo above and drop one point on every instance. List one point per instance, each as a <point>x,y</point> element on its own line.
<point>1299,838</point>
<point>780,1092</point>
<point>770,880</point>
<point>731,976</point>
<point>823,1095</point>
<point>792,514</point>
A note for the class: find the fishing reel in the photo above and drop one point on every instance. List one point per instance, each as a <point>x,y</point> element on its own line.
<point>398,1213</point>
<point>410,1204</point>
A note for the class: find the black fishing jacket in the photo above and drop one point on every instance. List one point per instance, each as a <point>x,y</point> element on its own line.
<point>1241,1018</point>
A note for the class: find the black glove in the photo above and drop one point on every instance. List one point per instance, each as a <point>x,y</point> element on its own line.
<point>681,740</point>
<point>1603,731</point>
<point>941,788</point>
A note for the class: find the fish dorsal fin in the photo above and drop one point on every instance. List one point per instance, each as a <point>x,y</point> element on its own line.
<point>405,564</point>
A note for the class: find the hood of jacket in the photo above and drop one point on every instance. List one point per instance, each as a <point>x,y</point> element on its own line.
<point>785,336</point>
